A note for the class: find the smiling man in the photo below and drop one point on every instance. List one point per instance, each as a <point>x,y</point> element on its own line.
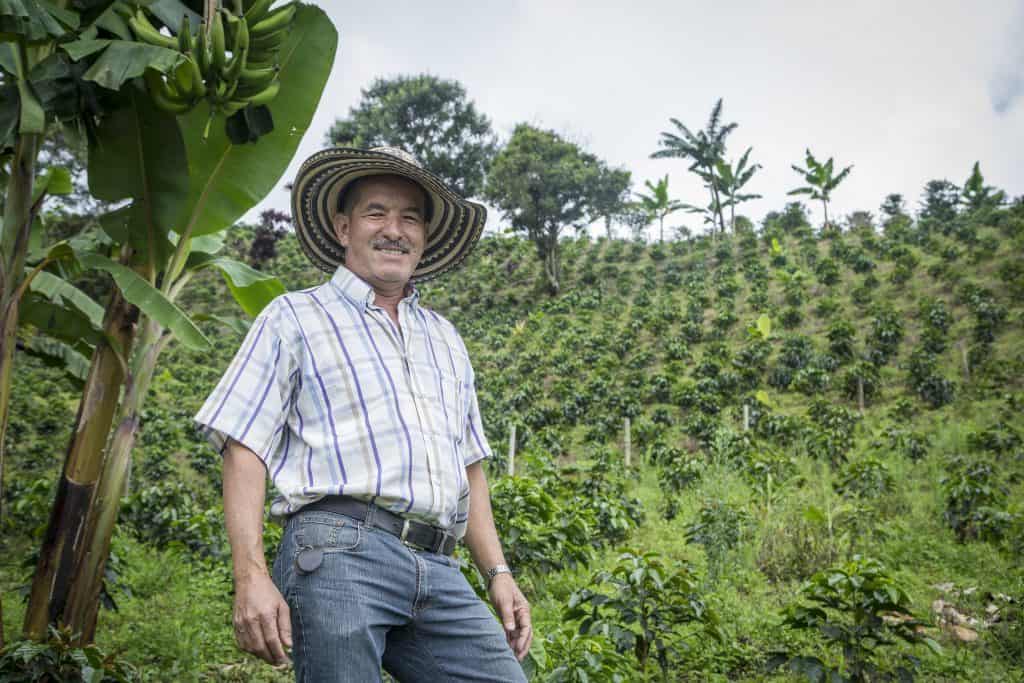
<point>359,403</point>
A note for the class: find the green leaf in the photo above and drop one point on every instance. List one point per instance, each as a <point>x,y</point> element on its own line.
<point>122,60</point>
<point>150,300</point>
<point>252,289</point>
<point>35,20</point>
<point>764,326</point>
<point>237,325</point>
<point>59,290</point>
<point>138,153</point>
<point>57,353</point>
<point>56,320</point>
<point>230,179</point>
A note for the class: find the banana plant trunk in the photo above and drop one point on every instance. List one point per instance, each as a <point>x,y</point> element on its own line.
<point>17,224</point>
<point>84,595</point>
<point>63,545</point>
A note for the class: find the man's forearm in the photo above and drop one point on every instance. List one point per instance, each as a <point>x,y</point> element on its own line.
<point>244,492</point>
<point>481,535</point>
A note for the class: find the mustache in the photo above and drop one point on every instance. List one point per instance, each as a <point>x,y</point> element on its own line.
<point>400,245</point>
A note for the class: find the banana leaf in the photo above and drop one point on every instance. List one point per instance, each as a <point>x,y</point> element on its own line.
<point>35,20</point>
<point>60,291</point>
<point>57,321</point>
<point>150,300</point>
<point>122,60</point>
<point>229,179</point>
<point>138,153</point>
<point>252,289</point>
<point>58,354</point>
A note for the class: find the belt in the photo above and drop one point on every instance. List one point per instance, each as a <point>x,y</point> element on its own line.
<point>419,535</point>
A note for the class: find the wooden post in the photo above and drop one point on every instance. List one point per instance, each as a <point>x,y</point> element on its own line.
<point>966,361</point>
<point>512,451</point>
<point>746,417</point>
<point>860,394</point>
<point>628,445</point>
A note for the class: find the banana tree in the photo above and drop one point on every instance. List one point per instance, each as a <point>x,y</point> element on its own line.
<point>732,180</point>
<point>186,180</point>
<point>657,204</point>
<point>821,180</point>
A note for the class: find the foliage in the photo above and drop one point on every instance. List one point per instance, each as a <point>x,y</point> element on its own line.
<point>718,529</point>
<point>429,117</point>
<point>859,609</point>
<point>58,659</point>
<point>974,498</point>
<point>647,607</point>
<point>543,183</point>
<point>821,180</point>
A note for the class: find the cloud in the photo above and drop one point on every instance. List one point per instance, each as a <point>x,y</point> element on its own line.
<point>1006,85</point>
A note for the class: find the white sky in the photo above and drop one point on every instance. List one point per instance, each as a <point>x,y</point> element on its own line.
<point>904,90</point>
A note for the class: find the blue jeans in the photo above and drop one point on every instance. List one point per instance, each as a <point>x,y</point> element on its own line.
<point>374,602</point>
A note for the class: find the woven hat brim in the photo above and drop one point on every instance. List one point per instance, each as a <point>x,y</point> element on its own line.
<point>454,229</point>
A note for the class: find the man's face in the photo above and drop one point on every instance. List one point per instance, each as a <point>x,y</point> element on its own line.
<point>385,231</point>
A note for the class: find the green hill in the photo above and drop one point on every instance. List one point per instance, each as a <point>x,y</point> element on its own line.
<point>741,364</point>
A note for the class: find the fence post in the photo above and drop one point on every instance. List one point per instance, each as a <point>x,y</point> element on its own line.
<point>629,445</point>
<point>966,361</point>
<point>860,394</point>
<point>746,416</point>
<point>512,451</point>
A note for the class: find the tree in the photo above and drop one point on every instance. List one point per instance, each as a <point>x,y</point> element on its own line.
<point>429,117</point>
<point>543,183</point>
<point>820,180</point>
<point>705,148</point>
<point>939,201</point>
<point>185,180</point>
<point>732,181</point>
<point>658,205</point>
<point>893,206</point>
<point>610,200</point>
<point>978,196</point>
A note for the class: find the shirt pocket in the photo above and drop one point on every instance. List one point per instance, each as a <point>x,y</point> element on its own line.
<point>449,404</point>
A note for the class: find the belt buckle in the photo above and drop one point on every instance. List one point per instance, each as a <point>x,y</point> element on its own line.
<point>405,532</point>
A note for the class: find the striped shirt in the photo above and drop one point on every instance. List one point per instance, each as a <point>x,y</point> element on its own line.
<point>337,399</point>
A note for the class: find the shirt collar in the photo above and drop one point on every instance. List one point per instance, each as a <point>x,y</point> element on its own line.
<point>360,292</point>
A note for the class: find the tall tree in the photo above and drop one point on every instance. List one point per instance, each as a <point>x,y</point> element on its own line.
<point>543,183</point>
<point>658,205</point>
<point>705,148</point>
<point>821,179</point>
<point>939,201</point>
<point>977,195</point>
<point>610,201</point>
<point>732,181</point>
<point>428,116</point>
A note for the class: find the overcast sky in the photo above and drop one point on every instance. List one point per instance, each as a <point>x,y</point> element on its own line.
<point>904,90</point>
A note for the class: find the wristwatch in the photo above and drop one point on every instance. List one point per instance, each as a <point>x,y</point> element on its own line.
<point>495,570</point>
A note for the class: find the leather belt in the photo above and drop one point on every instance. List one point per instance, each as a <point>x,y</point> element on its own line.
<point>419,535</point>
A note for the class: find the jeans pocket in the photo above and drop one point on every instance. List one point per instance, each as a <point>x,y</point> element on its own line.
<point>329,532</point>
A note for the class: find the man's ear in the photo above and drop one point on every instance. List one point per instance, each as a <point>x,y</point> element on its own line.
<point>341,228</point>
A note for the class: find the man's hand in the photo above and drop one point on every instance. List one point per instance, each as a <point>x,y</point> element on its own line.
<point>514,612</point>
<point>263,623</point>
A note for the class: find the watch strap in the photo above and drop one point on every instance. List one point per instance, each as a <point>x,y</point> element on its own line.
<point>495,570</point>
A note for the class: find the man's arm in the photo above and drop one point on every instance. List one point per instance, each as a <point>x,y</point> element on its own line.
<point>483,543</point>
<point>261,617</point>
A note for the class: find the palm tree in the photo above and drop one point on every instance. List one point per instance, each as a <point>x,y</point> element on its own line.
<point>732,181</point>
<point>705,148</point>
<point>820,180</point>
<point>658,205</point>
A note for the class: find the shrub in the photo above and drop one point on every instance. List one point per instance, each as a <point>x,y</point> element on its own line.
<point>858,608</point>
<point>58,659</point>
<point>866,477</point>
<point>645,609</point>
<point>974,500</point>
<point>718,529</point>
<point>926,381</point>
<point>841,335</point>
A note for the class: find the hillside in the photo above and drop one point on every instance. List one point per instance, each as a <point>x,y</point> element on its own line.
<point>740,363</point>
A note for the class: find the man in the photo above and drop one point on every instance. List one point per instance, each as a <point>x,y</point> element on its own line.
<point>360,405</point>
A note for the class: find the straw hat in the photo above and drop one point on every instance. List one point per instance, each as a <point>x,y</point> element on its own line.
<point>454,224</point>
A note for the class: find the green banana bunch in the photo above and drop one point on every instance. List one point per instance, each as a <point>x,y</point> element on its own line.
<point>229,81</point>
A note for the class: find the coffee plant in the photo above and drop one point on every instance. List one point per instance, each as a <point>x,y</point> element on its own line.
<point>644,606</point>
<point>860,610</point>
<point>975,499</point>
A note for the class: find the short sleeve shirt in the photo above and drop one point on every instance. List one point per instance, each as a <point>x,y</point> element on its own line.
<point>336,399</point>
